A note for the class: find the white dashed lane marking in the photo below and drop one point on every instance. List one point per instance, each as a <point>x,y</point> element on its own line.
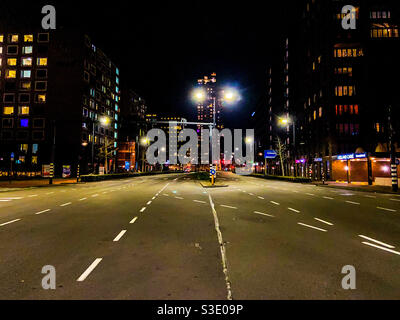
<point>312,227</point>
<point>264,214</point>
<point>89,270</point>
<point>377,241</point>
<point>44,211</point>
<point>9,222</point>
<point>323,221</point>
<point>120,235</point>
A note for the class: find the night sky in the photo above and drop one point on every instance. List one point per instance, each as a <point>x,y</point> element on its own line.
<point>163,48</point>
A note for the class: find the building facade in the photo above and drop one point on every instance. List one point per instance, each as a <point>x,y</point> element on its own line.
<point>59,101</point>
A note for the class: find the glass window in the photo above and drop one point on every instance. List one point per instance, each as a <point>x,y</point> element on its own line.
<point>12,50</point>
<point>42,61</point>
<point>43,37</point>
<point>27,62</point>
<point>11,74</point>
<point>41,98</point>
<point>25,85</point>
<point>24,123</point>
<point>27,50</point>
<point>28,38</point>
<point>1,38</point>
<point>41,73</point>
<point>23,110</point>
<point>12,62</point>
<point>13,38</point>
<point>25,74</point>
<point>40,85</point>
<point>8,110</point>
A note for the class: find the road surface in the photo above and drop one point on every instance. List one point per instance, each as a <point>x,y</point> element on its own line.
<point>166,237</point>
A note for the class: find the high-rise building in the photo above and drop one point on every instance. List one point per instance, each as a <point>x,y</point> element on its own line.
<point>59,103</point>
<point>337,83</point>
<point>205,108</point>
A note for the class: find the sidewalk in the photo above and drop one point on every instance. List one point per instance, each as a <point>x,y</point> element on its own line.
<point>356,187</point>
<point>21,184</point>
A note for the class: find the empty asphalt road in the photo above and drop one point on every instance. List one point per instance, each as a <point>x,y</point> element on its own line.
<point>166,237</point>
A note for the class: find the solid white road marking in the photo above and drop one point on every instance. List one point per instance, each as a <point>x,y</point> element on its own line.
<point>378,242</point>
<point>120,235</point>
<point>294,210</point>
<point>315,228</point>
<point>382,248</point>
<point>19,198</point>
<point>7,223</point>
<point>66,204</point>
<point>133,220</point>
<point>386,209</point>
<point>352,202</point>
<point>275,203</point>
<point>143,209</point>
<point>229,207</point>
<point>323,221</point>
<point>2,200</point>
<point>264,214</point>
<point>89,270</point>
<point>44,211</point>
<point>222,249</point>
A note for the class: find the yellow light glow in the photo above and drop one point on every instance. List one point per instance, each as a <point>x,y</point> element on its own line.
<point>199,95</point>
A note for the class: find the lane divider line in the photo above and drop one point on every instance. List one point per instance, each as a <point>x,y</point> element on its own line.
<point>382,248</point>
<point>143,209</point>
<point>222,249</point>
<point>44,211</point>
<point>89,270</point>
<point>133,220</point>
<point>376,241</point>
<point>66,204</point>
<point>312,227</point>
<point>294,210</point>
<point>7,223</point>
<point>120,235</point>
<point>323,221</point>
<point>264,214</point>
<point>386,209</point>
<point>228,207</point>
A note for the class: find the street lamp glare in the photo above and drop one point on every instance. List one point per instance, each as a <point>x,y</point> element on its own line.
<point>199,95</point>
<point>105,121</point>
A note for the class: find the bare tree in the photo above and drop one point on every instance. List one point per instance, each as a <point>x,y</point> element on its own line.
<point>282,154</point>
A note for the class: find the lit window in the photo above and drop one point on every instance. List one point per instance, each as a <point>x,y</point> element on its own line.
<point>28,38</point>
<point>24,123</point>
<point>14,38</point>
<point>1,38</point>
<point>8,110</point>
<point>27,62</point>
<point>1,61</point>
<point>27,50</point>
<point>1,50</point>
<point>11,74</point>
<point>25,74</point>
<point>25,85</point>
<point>12,62</point>
<point>41,98</point>
<point>42,61</point>
<point>24,110</point>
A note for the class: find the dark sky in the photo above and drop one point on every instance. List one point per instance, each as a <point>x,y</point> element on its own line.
<point>164,47</point>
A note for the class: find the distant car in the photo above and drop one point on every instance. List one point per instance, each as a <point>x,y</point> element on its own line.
<point>187,170</point>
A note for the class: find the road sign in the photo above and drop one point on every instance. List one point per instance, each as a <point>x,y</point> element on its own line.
<point>213,172</point>
<point>270,154</point>
<point>12,156</point>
